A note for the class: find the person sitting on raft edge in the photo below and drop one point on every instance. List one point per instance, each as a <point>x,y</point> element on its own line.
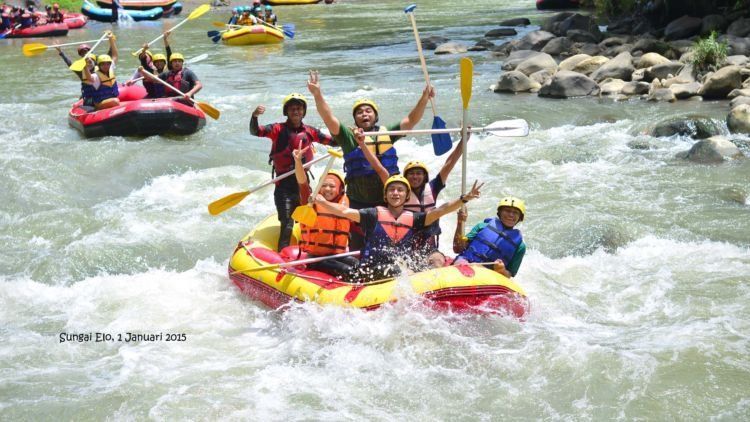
<point>494,240</point>
<point>390,230</point>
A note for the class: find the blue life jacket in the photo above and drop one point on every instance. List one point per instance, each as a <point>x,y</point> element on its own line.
<point>356,165</point>
<point>493,242</point>
<point>107,89</point>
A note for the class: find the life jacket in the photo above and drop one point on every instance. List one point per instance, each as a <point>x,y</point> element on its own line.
<point>423,204</point>
<point>493,242</point>
<point>390,235</point>
<point>281,153</point>
<point>356,165</point>
<point>329,235</point>
<point>26,20</point>
<point>107,89</point>
<point>175,79</point>
<point>6,21</point>
<point>154,89</point>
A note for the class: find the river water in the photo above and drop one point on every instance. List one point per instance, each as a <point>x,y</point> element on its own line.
<point>637,269</point>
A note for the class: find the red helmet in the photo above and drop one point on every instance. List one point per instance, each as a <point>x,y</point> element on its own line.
<point>83,48</point>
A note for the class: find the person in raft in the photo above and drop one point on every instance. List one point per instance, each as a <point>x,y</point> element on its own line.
<point>100,87</point>
<point>330,233</point>
<point>180,77</point>
<point>286,137</point>
<point>390,230</point>
<point>494,240</point>
<point>156,64</point>
<point>363,186</point>
<point>246,19</point>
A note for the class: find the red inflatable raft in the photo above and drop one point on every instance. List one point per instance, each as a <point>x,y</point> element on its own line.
<point>75,20</point>
<point>136,116</point>
<point>46,30</point>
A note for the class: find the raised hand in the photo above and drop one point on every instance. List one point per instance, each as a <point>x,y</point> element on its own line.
<point>474,193</point>
<point>259,110</point>
<point>313,83</point>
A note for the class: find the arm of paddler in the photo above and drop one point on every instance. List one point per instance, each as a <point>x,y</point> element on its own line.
<point>299,171</point>
<point>434,214</point>
<point>459,240</point>
<point>371,158</point>
<point>339,210</point>
<point>324,110</point>
<point>417,112</point>
<point>113,47</point>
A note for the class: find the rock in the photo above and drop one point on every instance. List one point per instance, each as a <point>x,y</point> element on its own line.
<point>557,46</point>
<point>567,84</point>
<point>571,62</point>
<point>683,27</point>
<point>585,48</point>
<point>536,63</point>
<point>482,45</point>
<point>662,71</point>
<point>621,26</point>
<point>650,45</point>
<point>450,48</point>
<point>738,120</point>
<point>579,22</point>
<point>620,67</point>
<point>651,59</point>
<point>431,42</point>
<point>590,65</point>
<point>681,46</point>
<point>611,86</point>
<point>713,23</point>
<point>736,45</point>
<point>553,22</point>
<point>541,77</point>
<point>739,28</point>
<point>737,60</point>
<point>504,49</point>
<point>683,91</point>
<point>515,81</point>
<point>697,127</point>
<point>579,35</point>
<point>614,42</point>
<point>614,51</point>
<point>535,40</point>
<point>745,92</point>
<point>738,100</point>
<point>712,150</point>
<point>501,32</point>
<point>637,75</point>
<point>515,22</point>
<point>722,82</point>
<point>662,94</point>
<point>635,88</point>
<point>516,57</point>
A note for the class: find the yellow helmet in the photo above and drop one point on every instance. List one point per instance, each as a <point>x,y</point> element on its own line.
<point>416,165</point>
<point>337,174</point>
<point>513,202</point>
<point>158,56</point>
<point>295,97</point>
<point>397,178</point>
<point>365,101</point>
<point>176,56</point>
<point>103,58</point>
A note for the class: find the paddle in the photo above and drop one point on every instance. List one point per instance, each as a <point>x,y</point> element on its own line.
<point>287,28</point>
<point>35,49</point>
<point>188,61</point>
<point>8,31</point>
<point>306,214</point>
<point>206,107</point>
<point>297,262</point>
<point>467,72</point>
<point>507,128</point>
<point>78,65</point>
<point>195,14</point>
<point>441,142</point>
<point>220,205</point>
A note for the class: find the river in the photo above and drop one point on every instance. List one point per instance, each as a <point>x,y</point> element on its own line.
<point>637,270</point>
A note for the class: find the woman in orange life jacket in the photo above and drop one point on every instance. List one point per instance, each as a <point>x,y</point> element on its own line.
<point>100,87</point>
<point>285,138</point>
<point>390,230</point>
<point>330,234</point>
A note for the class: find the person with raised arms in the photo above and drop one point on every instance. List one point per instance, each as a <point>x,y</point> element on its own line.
<point>389,231</point>
<point>286,137</point>
<point>363,186</point>
<point>155,64</point>
<point>99,87</point>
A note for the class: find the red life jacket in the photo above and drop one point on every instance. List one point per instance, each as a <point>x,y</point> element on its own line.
<point>423,204</point>
<point>281,154</point>
<point>175,79</point>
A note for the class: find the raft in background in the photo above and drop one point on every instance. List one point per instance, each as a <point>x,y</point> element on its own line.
<point>467,288</point>
<point>105,15</point>
<point>137,116</point>
<point>46,30</point>
<point>138,4</point>
<point>557,4</point>
<point>291,2</point>
<point>253,35</point>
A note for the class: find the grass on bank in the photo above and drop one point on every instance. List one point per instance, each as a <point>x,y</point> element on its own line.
<point>708,52</point>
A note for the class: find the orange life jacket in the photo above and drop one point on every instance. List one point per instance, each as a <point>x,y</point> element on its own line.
<point>329,235</point>
<point>395,229</point>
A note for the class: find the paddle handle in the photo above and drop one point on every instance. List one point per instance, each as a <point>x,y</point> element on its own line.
<point>140,50</point>
<point>322,177</point>
<point>287,174</point>
<point>490,128</point>
<point>156,78</point>
<point>71,43</point>
<point>421,57</point>
<point>464,133</point>
<point>298,262</point>
<point>88,53</point>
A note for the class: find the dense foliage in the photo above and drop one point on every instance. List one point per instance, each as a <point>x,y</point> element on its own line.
<point>708,52</point>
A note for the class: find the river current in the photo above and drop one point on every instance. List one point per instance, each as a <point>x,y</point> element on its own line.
<point>637,269</point>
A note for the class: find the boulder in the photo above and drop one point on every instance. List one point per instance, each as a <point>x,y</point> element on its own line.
<point>501,32</point>
<point>712,23</point>
<point>696,127</point>
<point>515,22</point>
<point>651,59</point>
<point>579,22</point>
<point>738,100</point>
<point>615,50</point>
<point>571,62</point>
<point>650,45</point>
<point>504,49</point>
<point>431,42</point>
<point>552,23</point>
<point>620,67</point>
<point>536,63</point>
<point>738,120</point>
<point>681,46</point>
<point>662,71</point>
<point>736,45</point>
<point>614,41</point>
<point>541,77</point>
<point>737,60</point>
<point>635,88</point>
<point>482,45</point>
<point>567,84</point>
<point>739,28</point>
<point>515,81</point>
<point>535,40</point>
<point>722,82</point>
<point>516,57</point>
<point>744,92</point>
<point>663,95</point>
<point>450,48</point>
<point>585,48</point>
<point>557,46</point>
<point>682,27</point>
<point>590,65</point>
<point>683,91</point>
<point>611,86</point>
<point>579,35</point>
<point>715,149</point>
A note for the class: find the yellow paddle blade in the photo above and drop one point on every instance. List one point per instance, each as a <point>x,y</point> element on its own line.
<point>335,153</point>
<point>219,24</point>
<point>202,9</point>
<point>33,49</point>
<point>78,65</point>
<point>467,72</point>
<point>220,205</point>
<point>305,214</point>
<point>209,109</point>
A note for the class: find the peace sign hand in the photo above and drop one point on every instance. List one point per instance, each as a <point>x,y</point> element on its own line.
<point>313,83</point>
<point>474,193</point>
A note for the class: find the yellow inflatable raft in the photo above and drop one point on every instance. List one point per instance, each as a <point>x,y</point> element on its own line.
<point>253,35</point>
<point>474,288</point>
